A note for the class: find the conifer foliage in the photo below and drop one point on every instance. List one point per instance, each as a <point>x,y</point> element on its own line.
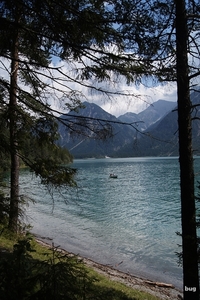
<point>88,36</point>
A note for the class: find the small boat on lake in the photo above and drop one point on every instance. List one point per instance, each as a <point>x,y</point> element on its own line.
<point>112,175</point>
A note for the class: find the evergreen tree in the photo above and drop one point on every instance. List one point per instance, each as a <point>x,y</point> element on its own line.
<point>188,210</point>
<point>176,58</point>
<point>33,34</point>
<point>172,50</point>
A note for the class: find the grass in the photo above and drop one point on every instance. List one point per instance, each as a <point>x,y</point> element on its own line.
<point>59,275</point>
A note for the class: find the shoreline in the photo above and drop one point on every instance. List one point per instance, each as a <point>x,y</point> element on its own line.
<point>162,290</point>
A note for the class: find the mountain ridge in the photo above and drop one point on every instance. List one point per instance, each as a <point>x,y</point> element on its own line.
<point>154,132</point>
<point>150,115</point>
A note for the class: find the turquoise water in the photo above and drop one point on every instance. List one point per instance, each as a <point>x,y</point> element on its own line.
<point>129,222</point>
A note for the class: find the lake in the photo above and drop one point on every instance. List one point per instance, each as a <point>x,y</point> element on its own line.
<point>129,223</point>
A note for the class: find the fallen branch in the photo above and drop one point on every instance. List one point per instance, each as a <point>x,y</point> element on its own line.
<point>160,284</point>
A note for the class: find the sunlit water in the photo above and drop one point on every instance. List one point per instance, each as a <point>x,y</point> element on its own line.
<point>129,222</point>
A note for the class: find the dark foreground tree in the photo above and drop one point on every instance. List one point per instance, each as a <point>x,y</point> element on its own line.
<point>36,33</point>
<point>176,58</point>
<point>188,210</point>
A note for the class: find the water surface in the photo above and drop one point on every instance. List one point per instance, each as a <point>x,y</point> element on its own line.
<point>129,222</point>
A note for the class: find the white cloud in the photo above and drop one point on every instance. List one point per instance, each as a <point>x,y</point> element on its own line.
<point>115,102</point>
<point>121,98</point>
<point>144,96</point>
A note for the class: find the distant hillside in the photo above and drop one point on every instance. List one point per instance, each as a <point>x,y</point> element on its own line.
<point>160,138</point>
<point>87,144</point>
<point>150,115</point>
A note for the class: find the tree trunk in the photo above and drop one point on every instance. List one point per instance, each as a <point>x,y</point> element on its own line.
<point>189,235</point>
<point>14,176</point>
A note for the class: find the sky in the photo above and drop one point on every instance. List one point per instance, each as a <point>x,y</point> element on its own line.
<point>139,96</point>
<point>137,99</point>
<point>144,96</point>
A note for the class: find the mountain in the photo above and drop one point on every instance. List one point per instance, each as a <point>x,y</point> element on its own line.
<point>79,133</point>
<point>150,115</point>
<point>160,138</point>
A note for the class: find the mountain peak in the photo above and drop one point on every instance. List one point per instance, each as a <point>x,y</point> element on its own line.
<point>150,115</point>
<point>160,118</point>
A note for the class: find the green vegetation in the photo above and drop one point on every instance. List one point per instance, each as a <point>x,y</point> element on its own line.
<point>31,271</point>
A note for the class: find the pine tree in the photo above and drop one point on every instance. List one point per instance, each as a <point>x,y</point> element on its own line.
<point>33,34</point>
<point>188,210</point>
